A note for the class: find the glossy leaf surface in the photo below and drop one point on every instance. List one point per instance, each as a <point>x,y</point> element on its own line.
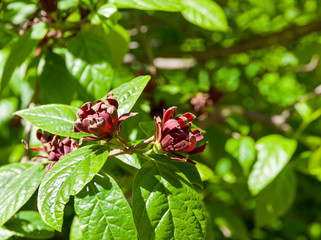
<point>128,93</point>
<point>205,13</point>
<point>88,59</point>
<point>274,152</point>
<point>164,203</point>
<point>55,118</point>
<point>18,188</point>
<point>67,177</point>
<point>161,5</point>
<point>103,210</point>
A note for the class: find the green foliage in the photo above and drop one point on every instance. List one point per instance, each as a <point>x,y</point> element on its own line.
<point>164,202</point>
<point>104,211</point>
<point>20,182</point>
<point>127,94</point>
<point>276,199</point>
<point>29,224</point>
<point>21,51</point>
<point>248,70</point>
<point>54,118</point>
<point>274,152</point>
<point>67,178</point>
<point>205,13</point>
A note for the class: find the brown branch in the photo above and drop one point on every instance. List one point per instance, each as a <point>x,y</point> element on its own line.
<point>281,38</point>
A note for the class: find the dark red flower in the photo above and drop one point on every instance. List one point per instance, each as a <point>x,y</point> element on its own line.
<point>55,148</point>
<point>175,135</point>
<point>100,119</point>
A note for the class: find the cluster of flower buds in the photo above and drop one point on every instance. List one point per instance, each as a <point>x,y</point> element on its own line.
<point>175,136</point>
<point>54,147</point>
<point>101,119</point>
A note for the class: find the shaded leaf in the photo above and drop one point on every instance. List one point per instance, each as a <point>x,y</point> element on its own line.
<point>67,177</point>
<point>225,218</point>
<point>21,50</point>
<point>205,13</point>
<point>55,118</point>
<point>56,84</point>
<point>128,93</point>
<point>160,5</point>
<point>190,171</point>
<point>149,128</point>
<point>164,203</point>
<point>118,40</point>
<point>103,210</point>
<point>22,183</point>
<point>29,224</point>
<point>276,198</point>
<point>274,152</point>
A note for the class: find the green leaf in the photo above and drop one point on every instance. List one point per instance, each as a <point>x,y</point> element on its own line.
<point>276,199</point>
<point>55,118</point>
<point>160,5</point>
<point>21,50</point>
<point>75,232</point>
<point>149,128</point>
<point>104,211</point>
<point>29,224</point>
<point>8,172</point>
<point>88,59</point>
<point>56,84</point>
<point>5,234</point>
<point>118,40</point>
<point>128,93</point>
<point>243,149</point>
<point>227,219</point>
<point>67,177</point>
<point>206,14</point>
<point>165,205</point>
<point>131,160</point>
<point>190,171</point>
<point>107,10</point>
<point>22,183</point>
<point>274,152</point>
<point>205,172</point>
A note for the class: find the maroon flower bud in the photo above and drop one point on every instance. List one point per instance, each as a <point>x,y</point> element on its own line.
<point>175,135</point>
<point>54,147</point>
<point>100,119</point>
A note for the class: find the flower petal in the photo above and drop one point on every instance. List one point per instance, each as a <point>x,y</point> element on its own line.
<point>111,100</point>
<point>168,140</point>
<point>198,134</point>
<point>198,150</point>
<point>125,116</point>
<point>158,123</point>
<point>167,114</point>
<point>191,145</point>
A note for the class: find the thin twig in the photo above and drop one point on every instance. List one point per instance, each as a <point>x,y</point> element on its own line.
<point>131,149</point>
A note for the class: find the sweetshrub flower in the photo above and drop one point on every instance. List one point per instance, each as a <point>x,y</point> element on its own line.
<point>54,147</point>
<point>100,119</point>
<point>175,136</point>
